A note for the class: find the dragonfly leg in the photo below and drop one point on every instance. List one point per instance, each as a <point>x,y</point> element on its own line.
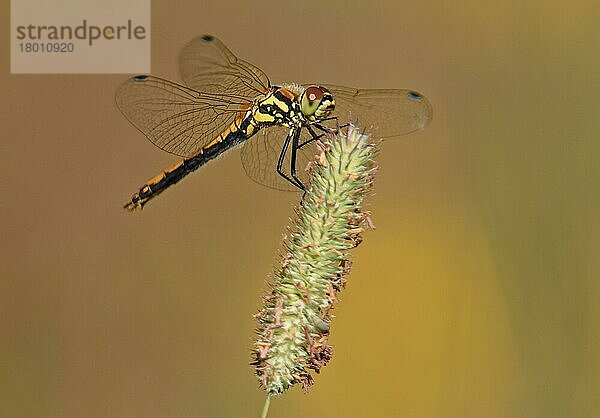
<point>295,147</point>
<point>286,144</point>
<point>328,129</point>
<point>313,135</point>
<point>329,118</point>
<point>324,129</point>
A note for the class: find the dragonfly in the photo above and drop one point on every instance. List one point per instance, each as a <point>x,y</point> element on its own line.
<point>226,101</point>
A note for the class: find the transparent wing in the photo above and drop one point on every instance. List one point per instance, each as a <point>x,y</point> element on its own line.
<point>180,119</point>
<point>260,155</point>
<point>386,113</point>
<point>175,118</point>
<point>206,64</point>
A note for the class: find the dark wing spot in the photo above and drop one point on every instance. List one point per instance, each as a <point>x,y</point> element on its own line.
<point>140,78</point>
<point>414,96</point>
<point>208,38</point>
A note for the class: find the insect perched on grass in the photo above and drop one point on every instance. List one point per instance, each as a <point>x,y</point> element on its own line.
<point>227,101</point>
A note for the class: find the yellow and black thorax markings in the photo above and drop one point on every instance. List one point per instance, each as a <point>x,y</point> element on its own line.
<point>279,107</point>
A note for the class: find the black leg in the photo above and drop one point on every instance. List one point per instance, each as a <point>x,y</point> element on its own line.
<point>295,147</point>
<point>286,144</point>
<point>324,129</point>
<point>313,135</point>
<point>327,129</point>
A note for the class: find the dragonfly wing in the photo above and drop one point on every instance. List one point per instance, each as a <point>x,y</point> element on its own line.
<point>175,118</point>
<point>206,64</point>
<point>260,155</point>
<point>387,113</point>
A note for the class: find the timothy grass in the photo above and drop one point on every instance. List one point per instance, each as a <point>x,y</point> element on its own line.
<point>294,322</point>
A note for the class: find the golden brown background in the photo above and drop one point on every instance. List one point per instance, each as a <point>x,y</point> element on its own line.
<point>477,295</point>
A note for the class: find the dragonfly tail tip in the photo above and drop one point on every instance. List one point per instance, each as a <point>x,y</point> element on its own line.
<point>131,206</point>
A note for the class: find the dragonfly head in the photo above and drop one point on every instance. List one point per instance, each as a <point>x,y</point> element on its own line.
<point>316,103</point>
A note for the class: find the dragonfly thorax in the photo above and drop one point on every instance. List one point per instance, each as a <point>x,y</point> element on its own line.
<point>279,107</point>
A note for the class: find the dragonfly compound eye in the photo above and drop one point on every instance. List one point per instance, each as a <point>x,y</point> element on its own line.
<point>316,102</point>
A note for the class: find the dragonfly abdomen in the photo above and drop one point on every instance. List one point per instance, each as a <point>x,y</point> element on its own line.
<point>173,174</point>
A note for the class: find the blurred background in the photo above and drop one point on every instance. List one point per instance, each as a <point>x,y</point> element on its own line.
<point>476,296</point>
